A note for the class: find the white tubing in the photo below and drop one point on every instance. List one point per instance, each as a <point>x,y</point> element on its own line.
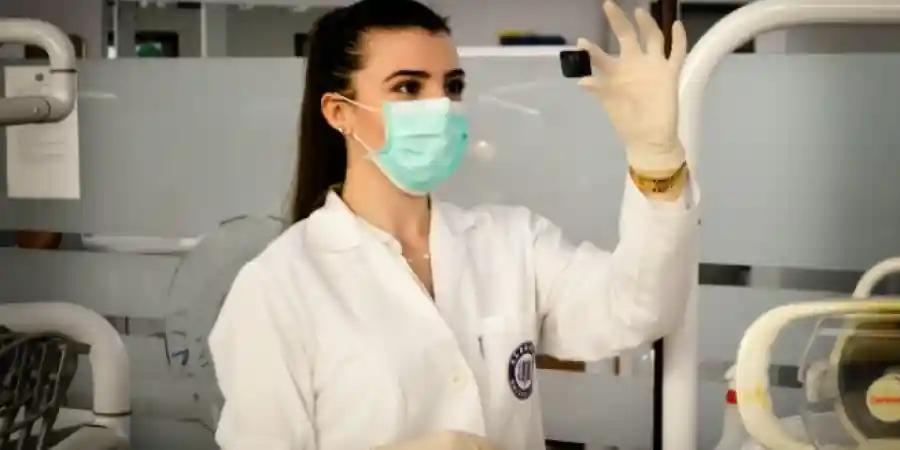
<point>754,355</point>
<point>62,80</point>
<point>680,375</point>
<point>109,360</point>
<point>90,438</point>
<point>35,32</point>
<point>873,276</point>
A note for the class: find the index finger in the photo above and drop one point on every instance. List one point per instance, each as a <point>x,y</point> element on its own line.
<point>599,58</point>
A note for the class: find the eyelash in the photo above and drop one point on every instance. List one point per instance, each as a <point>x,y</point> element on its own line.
<point>455,88</point>
<point>412,88</point>
<point>409,88</point>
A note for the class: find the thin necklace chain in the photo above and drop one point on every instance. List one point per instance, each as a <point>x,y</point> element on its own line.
<point>425,256</point>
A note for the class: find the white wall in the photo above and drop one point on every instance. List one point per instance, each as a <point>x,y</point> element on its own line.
<point>477,23</point>
<point>267,31</point>
<point>806,39</point>
<point>127,19</point>
<point>216,30</point>
<point>234,32</point>
<point>81,17</point>
<point>185,22</point>
<point>831,39</point>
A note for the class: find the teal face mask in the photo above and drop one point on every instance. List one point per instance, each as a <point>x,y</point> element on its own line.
<point>425,141</point>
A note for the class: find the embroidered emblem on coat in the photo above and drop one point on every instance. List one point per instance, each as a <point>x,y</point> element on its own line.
<point>521,370</point>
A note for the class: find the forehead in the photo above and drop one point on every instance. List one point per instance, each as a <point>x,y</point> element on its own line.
<point>385,51</point>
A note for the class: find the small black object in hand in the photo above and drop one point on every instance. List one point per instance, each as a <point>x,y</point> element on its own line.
<point>575,63</point>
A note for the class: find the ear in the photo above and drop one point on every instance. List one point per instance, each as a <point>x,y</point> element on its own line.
<point>336,112</point>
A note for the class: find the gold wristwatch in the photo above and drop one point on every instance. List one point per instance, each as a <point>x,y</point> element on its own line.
<point>658,185</point>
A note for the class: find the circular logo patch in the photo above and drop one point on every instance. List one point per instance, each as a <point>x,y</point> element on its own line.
<point>521,370</point>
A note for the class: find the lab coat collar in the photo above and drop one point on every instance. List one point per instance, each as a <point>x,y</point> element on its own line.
<point>334,227</point>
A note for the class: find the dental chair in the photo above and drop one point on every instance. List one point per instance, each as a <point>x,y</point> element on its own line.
<point>201,282</point>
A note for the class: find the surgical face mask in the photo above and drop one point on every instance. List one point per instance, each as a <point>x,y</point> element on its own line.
<point>424,142</point>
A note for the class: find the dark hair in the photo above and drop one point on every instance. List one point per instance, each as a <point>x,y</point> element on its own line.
<point>333,57</point>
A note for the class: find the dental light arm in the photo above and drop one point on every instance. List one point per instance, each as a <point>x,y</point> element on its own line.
<point>62,83</point>
<point>681,354</point>
<point>875,275</point>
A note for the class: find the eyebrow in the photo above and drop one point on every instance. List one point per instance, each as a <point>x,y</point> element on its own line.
<point>408,73</point>
<point>455,73</point>
<point>423,74</point>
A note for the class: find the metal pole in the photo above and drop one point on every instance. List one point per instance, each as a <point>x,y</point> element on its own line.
<point>665,12</point>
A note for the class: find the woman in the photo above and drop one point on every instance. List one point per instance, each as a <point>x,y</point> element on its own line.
<point>383,317</point>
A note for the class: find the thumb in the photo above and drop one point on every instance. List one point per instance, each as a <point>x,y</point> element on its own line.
<point>594,84</point>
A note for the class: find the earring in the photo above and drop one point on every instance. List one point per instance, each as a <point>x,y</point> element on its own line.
<point>340,130</point>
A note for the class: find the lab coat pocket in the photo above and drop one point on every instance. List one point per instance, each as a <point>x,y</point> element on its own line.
<point>509,357</point>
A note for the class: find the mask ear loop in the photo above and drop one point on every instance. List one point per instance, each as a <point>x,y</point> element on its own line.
<point>370,154</point>
<point>356,103</point>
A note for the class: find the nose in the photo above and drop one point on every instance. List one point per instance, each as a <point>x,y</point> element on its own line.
<point>434,88</point>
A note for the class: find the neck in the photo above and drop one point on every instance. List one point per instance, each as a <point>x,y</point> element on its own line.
<point>376,200</point>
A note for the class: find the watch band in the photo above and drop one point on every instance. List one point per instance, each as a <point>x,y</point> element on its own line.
<point>657,185</point>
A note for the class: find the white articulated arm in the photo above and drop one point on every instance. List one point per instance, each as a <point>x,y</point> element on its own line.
<point>62,83</point>
<point>873,276</point>
<point>681,358</point>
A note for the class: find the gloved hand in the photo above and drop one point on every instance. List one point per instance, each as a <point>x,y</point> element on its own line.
<point>443,440</point>
<point>639,90</point>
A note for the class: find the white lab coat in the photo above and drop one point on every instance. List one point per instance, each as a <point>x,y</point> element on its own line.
<point>327,340</point>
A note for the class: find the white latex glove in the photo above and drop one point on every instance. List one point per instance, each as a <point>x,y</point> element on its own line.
<point>639,90</point>
<point>443,440</point>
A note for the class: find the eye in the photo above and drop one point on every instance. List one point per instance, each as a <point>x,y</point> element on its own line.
<point>408,87</point>
<point>455,88</point>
